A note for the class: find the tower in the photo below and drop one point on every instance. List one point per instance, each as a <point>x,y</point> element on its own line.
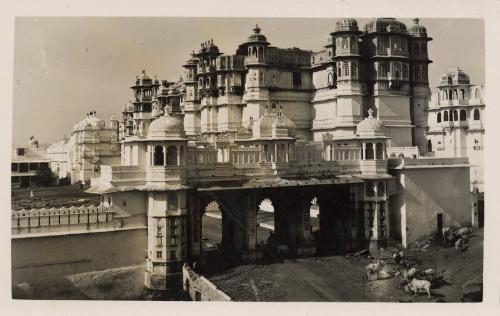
<point>419,83</point>
<point>256,91</point>
<point>386,46</point>
<point>145,90</point>
<point>348,74</point>
<point>191,98</point>
<point>166,147</point>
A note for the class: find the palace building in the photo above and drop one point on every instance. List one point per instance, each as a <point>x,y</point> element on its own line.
<point>346,126</point>
<point>456,122</point>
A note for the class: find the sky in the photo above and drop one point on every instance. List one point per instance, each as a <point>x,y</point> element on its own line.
<point>65,67</point>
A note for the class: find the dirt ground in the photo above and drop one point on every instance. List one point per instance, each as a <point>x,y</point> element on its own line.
<point>51,197</point>
<point>338,278</point>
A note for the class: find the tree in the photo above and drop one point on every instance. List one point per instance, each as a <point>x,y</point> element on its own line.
<point>44,177</point>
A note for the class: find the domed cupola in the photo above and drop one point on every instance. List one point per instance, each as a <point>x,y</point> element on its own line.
<point>273,123</point>
<point>370,127</point>
<point>346,25</point>
<point>167,126</point>
<point>385,25</point>
<point>454,76</point>
<point>256,37</point>
<point>417,30</point>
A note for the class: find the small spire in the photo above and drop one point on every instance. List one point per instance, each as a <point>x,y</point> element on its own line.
<point>370,113</point>
<point>211,41</point>
<point>256,29</point>
<point>416,20</point>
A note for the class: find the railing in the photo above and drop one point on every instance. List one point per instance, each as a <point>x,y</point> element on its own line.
<point>46,220</point>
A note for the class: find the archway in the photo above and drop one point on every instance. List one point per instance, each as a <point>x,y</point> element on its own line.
<point>158,156</point>
<point>171,156</point>
<point>429,146</point>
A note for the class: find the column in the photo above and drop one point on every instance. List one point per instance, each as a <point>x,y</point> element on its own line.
<point>178,155</point>
<point>164,155</point>
<point>363,151</point>
<point>275,153</point>
<point>374,146</point>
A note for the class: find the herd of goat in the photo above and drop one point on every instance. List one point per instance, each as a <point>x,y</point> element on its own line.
<point>415,277</point>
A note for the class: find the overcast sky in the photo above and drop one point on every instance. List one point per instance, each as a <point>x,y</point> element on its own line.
<point>66,67</point>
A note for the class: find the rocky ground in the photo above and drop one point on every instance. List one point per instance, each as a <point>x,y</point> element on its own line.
<point>51,197</point>
<point>338,278</point>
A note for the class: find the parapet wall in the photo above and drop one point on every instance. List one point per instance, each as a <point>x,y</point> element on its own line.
<point>199,288</point>
<point>61,219</point>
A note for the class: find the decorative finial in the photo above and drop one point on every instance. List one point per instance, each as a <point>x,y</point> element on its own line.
<point>212,41</point>
<point>370,113</point>
<point>256,29</point>
<point>143,71</point>
<point>416,20</point>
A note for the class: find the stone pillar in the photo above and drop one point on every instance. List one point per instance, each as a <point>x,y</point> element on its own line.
<point>178,155</point>
<point>363,151</point>
<point>194,226</point>
<point>164,155</point>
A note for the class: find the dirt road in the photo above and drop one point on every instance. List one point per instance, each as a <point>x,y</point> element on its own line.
<point>337,278</point>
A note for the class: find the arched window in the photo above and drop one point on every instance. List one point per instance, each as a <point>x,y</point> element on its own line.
<point>369,151</point>
<point>445,118</point>
<point>429,146</point>
<point>455,94</point>
<point>171,156</point>
<point>158,156</point>
<point>439,117</point>
<point>463,115</point>
<point>462,94</point>
<point>172,202</point>
<point>477,94</point>
<point>476,115</point>
<point>380,151</point>
<point>330,78</point>
<point>281,153</point>
<point>370,189</point>
<point>445,95</point>
<point>455,115</point>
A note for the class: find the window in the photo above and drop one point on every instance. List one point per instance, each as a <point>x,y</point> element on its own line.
<point>383,69</point>
<point>370,189</point>
<point>158,156</point>
<point>405,71</point>
<point>172,201</point>
<point>439,117</point>
<point>297,79</point>
<point>369,151</point>
<point>455,115</point>
<point>381,189</point>
<point>445,116</point>
<point>171,156</point>
<point>462,94</point>
<point>463,115</point>
<point>380,151</point>
<point>345,68</point>
<point>477,94</point>
<point>159,254</point>
<point>173,255</point>
<point>159,241</point>
<point>354,71</point>
<point>476,115</point>
<point>14,167</point>
<point>173,241</point>
<point>124,203</point>
<point>429,145</point>
<point>20,151</point>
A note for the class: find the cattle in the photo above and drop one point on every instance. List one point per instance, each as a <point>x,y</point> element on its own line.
<point>409,274</point>
<point>464,232</point>
<point>398,256</point>
<point>459,244</point>
<point>416,286</point>
<point>373,269</point>
<point>448,236</point>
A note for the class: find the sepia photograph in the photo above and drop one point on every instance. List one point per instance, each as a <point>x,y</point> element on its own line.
<point>248,159</point>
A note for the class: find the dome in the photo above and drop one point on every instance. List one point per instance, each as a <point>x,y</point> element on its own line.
<point>91,121</point>
<point>454,76</point>
<point>346,24</point>
<point>385,25</point>
<point>273,123</point>
<point>167,126</point>
<point>256,36</point>
<point>370,126</point>
<point>417,30</point>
